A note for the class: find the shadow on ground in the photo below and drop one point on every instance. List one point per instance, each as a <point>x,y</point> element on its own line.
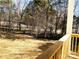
<point>45,46</point>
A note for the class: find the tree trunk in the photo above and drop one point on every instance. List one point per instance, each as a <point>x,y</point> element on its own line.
<point>56,24</point>
<point>76,28</point>
<point>19,26</point>
<point>20,21</point>
<point>47,17</point>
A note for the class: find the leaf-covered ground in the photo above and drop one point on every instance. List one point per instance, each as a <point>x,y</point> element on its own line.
<point>19,49</point>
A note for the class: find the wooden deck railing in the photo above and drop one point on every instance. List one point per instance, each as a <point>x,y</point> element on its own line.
<point>53,52</point>
<point>66,46</point>
<point>58,51</point>
<point>75,45</point>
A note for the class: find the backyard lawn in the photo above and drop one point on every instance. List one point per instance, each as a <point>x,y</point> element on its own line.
<point>23,49</point>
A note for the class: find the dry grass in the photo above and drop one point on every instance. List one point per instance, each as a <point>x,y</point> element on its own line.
<point>18,49</point>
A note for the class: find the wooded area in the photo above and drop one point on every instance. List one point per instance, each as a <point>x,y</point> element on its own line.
<point>38,17</point>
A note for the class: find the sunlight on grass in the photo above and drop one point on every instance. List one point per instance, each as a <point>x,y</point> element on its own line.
<point>18,49</point>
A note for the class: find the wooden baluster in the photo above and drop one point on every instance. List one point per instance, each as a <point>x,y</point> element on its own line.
<point>73,43</point>
<point>76,44</point>
<point>72,39</point>
<point>54,57</point>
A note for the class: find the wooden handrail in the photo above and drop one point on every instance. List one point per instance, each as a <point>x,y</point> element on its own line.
<point>53,52</point>
<point>74,57</point>
<point>75,35</point>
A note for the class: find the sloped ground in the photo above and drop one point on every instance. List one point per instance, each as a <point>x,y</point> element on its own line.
<point>19,49</point>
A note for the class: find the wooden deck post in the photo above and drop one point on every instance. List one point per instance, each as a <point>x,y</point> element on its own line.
<point>71,4</point>
<point>70,16</point>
